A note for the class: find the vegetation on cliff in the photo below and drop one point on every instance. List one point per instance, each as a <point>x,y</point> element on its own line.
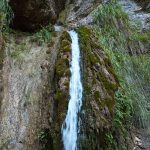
<point>115,74</point>
<point>119,38</point>
<point>100,84</point>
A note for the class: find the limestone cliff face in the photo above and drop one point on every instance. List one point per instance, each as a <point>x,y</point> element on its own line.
<point>78,12</point>
<point>33,14</point>
<point>28,73</point>
<point>34,83</point>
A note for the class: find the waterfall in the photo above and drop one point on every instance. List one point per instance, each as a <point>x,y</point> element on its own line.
<point>70,125</point>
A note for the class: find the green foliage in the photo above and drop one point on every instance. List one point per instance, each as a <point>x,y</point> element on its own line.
<point>62,67</point>
<point>5,12</point>
<point>105,14</point>
<point>116,32</point>
<point>123,109</point>
<point>111,144</point>
<point>42,135</point>
<point>18,50</point>
<point>59,96</point>
<point>45,141</point>
<point>43,36</point>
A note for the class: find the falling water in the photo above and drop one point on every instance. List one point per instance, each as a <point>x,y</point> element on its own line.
<point>70,125</point>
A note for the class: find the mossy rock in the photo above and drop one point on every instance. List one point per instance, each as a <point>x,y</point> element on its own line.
<point>65,42</point>
<point>62,66</point>
<point>109,86</point>
<point>93,59</point>
<point>84,33</point>
<point>66,48</point>
<point>97,95</point>
<point>99,90</point>
<point>65,36</point>
<point>59,96</point>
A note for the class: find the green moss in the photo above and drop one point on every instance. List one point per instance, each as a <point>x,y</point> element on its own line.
<point>84,33</point>
<point>62,66</point>
<point>65,36</point>
<point>97,95</point>
<point>66,83</point>
<point>110,87</point>
<point>65,43</point>
<point>67,48</point>
<point>92,58</point>
<point>110,102</point>
<point>94,79</point>
<point>95,45</point>
<point>19,50</point>
<point>87,89</point>
<point>59,96</point>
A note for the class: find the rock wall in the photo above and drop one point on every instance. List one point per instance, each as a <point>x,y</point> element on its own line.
<point>1,66</point>
<point>78,12</point>
<point>100,85</point>
<point>34,78</point>
<point>28,74</point>
<point>61,92</point>
<point>30,15</point>
<point>145,4</point>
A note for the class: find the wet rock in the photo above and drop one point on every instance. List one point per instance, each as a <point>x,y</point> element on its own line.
<point>100,84</point>
<point>61,86</point>
<point>137,141</point>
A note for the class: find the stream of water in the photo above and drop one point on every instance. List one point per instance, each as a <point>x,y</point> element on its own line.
<point>70,125</point>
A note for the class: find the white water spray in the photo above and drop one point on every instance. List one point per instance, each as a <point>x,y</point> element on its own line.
<point>70,125</point>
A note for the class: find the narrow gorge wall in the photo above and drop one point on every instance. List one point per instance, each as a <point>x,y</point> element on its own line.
<point>28,74</point>
<point>35,75</point>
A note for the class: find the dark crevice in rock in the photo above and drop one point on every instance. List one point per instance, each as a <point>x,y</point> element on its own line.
<point>31,15</point>
<point>145,4</point>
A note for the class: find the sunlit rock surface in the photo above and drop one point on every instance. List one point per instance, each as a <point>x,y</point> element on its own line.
<point>136,12</point>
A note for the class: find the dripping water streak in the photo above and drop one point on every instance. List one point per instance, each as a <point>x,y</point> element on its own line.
<point>70,125</point>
